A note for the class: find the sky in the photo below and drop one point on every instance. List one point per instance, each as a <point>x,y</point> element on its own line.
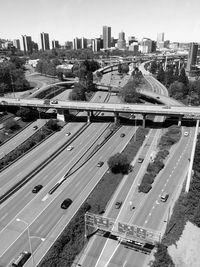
<point>67,19</point>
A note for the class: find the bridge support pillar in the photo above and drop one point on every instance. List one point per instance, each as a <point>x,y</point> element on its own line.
<point>179,121</point>
<point>144,121</point>
<point>89,115</point>
<point>116,115</point>
<point>61,114</point>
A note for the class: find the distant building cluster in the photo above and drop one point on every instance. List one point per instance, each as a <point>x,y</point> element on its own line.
<point>106,42</point>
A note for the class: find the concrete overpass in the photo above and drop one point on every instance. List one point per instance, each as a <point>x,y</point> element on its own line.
<point>63,107</point>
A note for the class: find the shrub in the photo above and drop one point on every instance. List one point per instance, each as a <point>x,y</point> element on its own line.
<point>144,187</point>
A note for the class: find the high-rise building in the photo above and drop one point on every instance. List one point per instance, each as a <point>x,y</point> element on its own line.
<point>16,44</point>
<point>121,43</point>
<point>83,43</point>
<point>76,43</point>
<point>192,57</point>
<point>131,39</point>
<point>44,41</point>
<point>55,44</point>
<point>106,37</point>
<point>160,40</point>
<point>147,45</point>
<point>27,44</point>
<point>96,44</point>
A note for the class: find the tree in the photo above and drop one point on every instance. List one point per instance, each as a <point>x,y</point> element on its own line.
<point>177,90</point>
<point>12,125</point>
<point>153,67</point>
<point>27,114</point>
<point>182,77</point>
<point>162,258</point>
<point>118,163</point>
<point>78,93</point>
<point>169,76</point>
<point>53,125</point>
<point>161,75</point>
<point>129,94</point>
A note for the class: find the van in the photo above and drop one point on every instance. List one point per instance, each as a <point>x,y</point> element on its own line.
<point>21,259</point>
<point>66,203</point>
<point>164,197</point>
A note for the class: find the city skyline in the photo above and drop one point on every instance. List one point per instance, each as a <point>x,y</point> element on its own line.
<point>85,18</point>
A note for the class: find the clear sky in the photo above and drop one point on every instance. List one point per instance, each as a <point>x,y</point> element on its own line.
<point>66,19</point>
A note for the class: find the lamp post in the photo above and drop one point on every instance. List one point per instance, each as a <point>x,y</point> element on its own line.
<point>29,239</point>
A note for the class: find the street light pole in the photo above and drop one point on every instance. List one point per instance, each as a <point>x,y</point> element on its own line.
<point>29,239</point>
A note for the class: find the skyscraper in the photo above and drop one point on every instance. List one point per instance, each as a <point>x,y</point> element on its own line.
<point>55,44</point>
<point>44,41</point>
<point>160,40</point>
<point>106,37</point>
<point>192,56</point>
<point>121,43</point>
<point>16,44</point>
<point>76,43</point>
<point>27,44</point>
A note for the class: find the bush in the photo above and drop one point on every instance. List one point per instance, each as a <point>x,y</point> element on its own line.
<point>118,163</point>
<point>148,178</point>
<point>144,187</point>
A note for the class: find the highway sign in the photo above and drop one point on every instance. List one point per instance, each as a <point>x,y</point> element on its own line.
<point>121,229</point>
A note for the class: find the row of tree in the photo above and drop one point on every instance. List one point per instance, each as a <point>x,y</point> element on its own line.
<point>12,78</point>
<point>171,137</point>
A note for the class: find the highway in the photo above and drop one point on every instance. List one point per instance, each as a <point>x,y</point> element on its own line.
<point>149,211</point>
<point>27,196</point>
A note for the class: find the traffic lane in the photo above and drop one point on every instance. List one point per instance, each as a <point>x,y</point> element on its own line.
<point>178,174</point>
<point>126,257</point>
<point>31,212</point>
<point>158,184</point>
<point>30,161</point>
<point>136,199</point>
<point>52,172</point>
<point>19,138</point>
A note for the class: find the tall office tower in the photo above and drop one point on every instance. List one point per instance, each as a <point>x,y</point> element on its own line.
<point>16,44</point>
<point>106,37</point>
<point>131,39</point>
<point>76,43</point>
<point>44,41</point>
<point>160,40</point>
<point>96,44</point>
<point>83,43</point>
<point>27,44</point>
<point>55,44</point>
<point>192,56</point>
<point>121,43</point>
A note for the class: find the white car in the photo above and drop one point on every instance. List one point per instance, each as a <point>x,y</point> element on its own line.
<point>67,134</point>
<point>186,133</point>
<point>69,148</point>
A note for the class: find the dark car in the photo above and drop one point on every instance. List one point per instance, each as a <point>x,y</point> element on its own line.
<point>54,102</point>
<point>21,259</point>
<point>122,135</point>
<point>118,204</point>
<point>66,203</point>
<point>35,127</point>
<point>37,188</point>
<point>100,163</point>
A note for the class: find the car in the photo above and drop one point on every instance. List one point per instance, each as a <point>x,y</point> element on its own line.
<point>21,259</point>
<point>4,102</point>
<point>186,133</point>
<point>167,107</point>
<point>157,97</point>
<point>66,203</point>
<point>67,134</point>
<point>102,113</point>
<point>140,160</point>
<point>35,127</point>
<point>118,204</point>
<point>122,135</point>
<point>69,148</point>
<point>37,188</point>
<point>164,197</point>
<point>54,102</point>
<point>100,163</point>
